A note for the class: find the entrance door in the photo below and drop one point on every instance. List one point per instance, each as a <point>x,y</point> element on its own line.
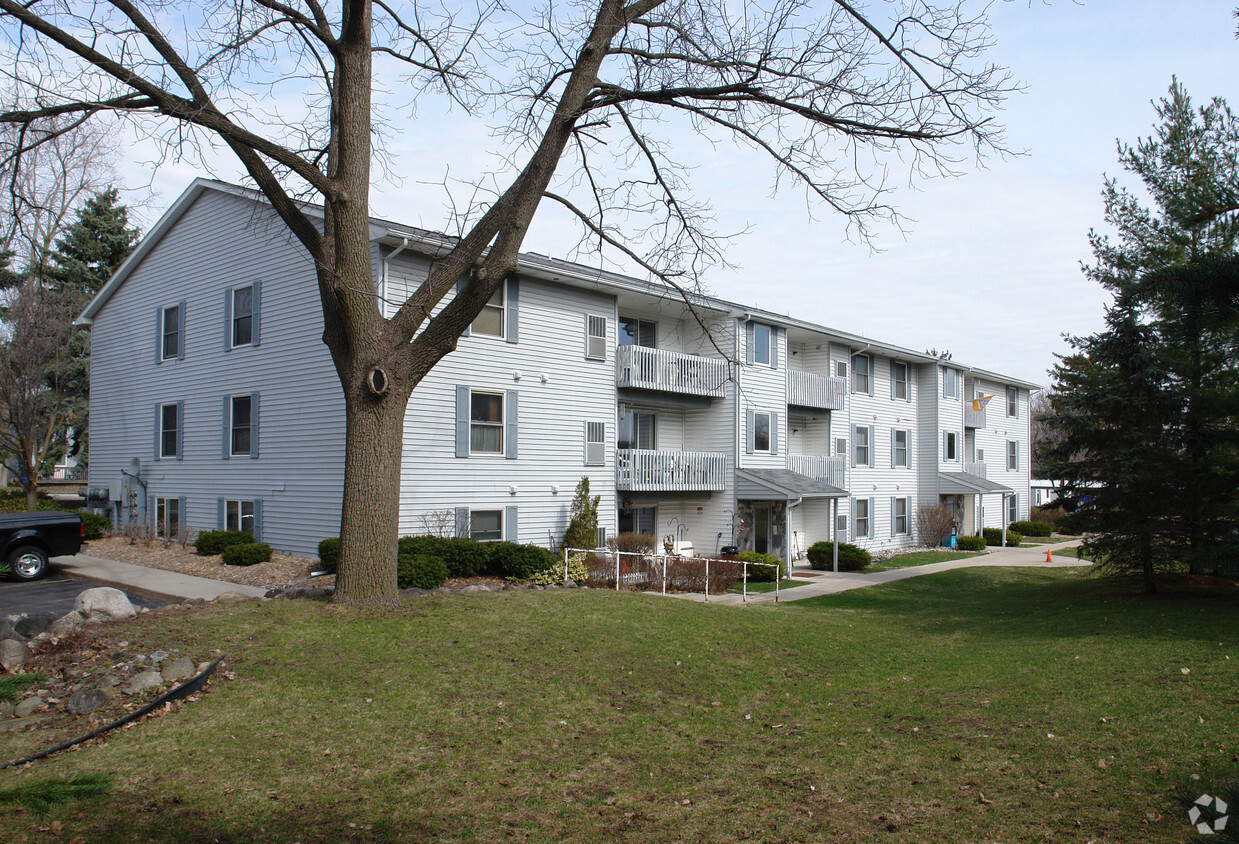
<point>761,528</point>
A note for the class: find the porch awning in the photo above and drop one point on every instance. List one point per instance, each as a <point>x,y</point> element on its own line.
<point>780,484</point>
<point>962,483</point>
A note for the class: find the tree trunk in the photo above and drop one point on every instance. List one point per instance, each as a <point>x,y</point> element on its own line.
<point>32,496</point>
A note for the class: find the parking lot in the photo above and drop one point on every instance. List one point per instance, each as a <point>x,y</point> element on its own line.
<point>54,593</point>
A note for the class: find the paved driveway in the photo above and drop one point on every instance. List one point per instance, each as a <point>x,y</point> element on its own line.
<point>54,593</point>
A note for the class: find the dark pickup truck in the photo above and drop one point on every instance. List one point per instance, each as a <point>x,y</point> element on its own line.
<point>28,539</point>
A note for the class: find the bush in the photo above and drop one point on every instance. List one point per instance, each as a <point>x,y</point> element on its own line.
<point>578,572</point>
<point>215,541</point>
<point>520,562</point>
<point>933,523</point>
<point>96,525</point>
<point>420,570</point>
<point>1047,514</point>
<point>633,543</point>
<point>329,554</point>
<point>246,553</point>
<point>851,557</point>
<point>993,536</point>
<point>763,574</point>
<point>1032,528</point>
<point>1014,539</point>
<point>970,543</point>
<point>464,557</point>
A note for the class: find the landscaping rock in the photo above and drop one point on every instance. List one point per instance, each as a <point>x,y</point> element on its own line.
<point>181,668</point>
<point>34,624</point>
<point>231,597</point>
<point>569,584</point>
<point>88,700</point>
<point>6,710</point>
<point>12,654</point>
<point>66,624</point>
<point>104,603</point>
<point>156,658</point>
<point>473,589</point>
<point>414,591</point>
<point>149,679</point>
<point>28,707</point>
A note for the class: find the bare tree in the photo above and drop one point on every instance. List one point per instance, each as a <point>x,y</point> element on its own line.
<point>585,93</point>
<point>440,523</point>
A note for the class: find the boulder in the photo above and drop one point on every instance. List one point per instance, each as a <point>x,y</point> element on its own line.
<point>66,624</point>
<point>28,707</point>
<point>149,679</point>
<point>231,597</point>
<point>88,700</point>
<point>181,668</point>
<point>34,624</point>
<point>105,603</point>
<point>12,654</point>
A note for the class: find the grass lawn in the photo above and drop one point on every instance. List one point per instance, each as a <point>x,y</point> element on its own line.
<point>917,558</point>
<point>975,705</point>
<point>769,587</point>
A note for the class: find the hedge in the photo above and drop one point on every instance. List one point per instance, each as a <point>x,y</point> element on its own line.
<point>329,554</point>
<point>993,536</point>
<point>420,570</point>
<point>763,574</point>
<point>215,541</point>
<point>1032,528</point>
<point>851,557</point>
<point>246,554</point>
<point>970,543</point>
<point>95,525</point>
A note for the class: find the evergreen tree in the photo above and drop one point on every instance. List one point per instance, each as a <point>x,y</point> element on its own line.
<point>582,529</point>
<point>92,248</point>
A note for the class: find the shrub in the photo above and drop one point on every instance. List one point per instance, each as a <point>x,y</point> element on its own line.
<point>420,570</point>
<point>329,554</point>
<point>970,543</point>
<point>582,529</point>
<point>993,536</point>
<point>762,574</point>
<point>1047,514</point>
<point>215,541</point>
<point>1014,539</point>
<point>519,562</point>
<point>633,543</point>
<point>464,557</point>
<point>1032,528</point>
<point>246,553</point>
<point>933,523</point>
<point>96,525</point>
<point>578,573</point>
<point>851,557</point>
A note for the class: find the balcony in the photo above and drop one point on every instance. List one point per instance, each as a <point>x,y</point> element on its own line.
<point>641,368</point>
<point>641,470</point>
<point>828,470</point>
<point>977,469</point>
<point>822,392</point>
<point>973,418</point>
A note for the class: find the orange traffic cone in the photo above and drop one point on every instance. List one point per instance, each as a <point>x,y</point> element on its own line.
<point>1048,558</point>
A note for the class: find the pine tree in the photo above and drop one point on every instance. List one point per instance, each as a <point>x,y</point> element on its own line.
<point>582,529</point>
<point>91,249</point>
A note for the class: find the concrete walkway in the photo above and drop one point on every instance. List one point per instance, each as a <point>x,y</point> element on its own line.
<point>157,583</point>
<point>830,583</point>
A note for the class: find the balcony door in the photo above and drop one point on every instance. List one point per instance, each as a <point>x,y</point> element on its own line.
<point>761,528</point>
<point>636,332</point>
<point>636,429</point>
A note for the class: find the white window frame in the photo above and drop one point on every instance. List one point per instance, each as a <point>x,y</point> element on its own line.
<point>758,414</point>
<point>841,369</point>
<point>1013,508</point>
<point>1013,455</point>
<point>595,343</point>
<point>476,424</point>
<point>640,325</point>
<point>896,516</point>
<point>490,308</point>
<point>634,442</point>
<point>861,433</point>
<point>841,524</point>
<point>867,374</point>
<point>841,446</point>
<point>896,450</point>
<point>232,425</point>
<point>236,316</point>
<point>165,330</point>
<point>950,446</point>
<point>165,519</point>
<point>896,382</point>
<point>1013,402</point>
<point>636,519</point>
<point>235,515</point>
<point>164,431</point>
<point>473,515</point>
<point>595,443</point>
<point>866,520</point>
<point>763,349</point>
<point>950,383</point>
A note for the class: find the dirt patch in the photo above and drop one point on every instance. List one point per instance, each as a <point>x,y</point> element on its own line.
<point>280,570</point>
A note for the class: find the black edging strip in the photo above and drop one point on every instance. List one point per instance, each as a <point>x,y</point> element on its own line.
<point>179,693</point>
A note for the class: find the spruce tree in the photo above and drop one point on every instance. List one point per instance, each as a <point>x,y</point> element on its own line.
<point>94,245</point>
<point>582,529</point>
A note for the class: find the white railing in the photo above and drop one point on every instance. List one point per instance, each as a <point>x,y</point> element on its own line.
<point>649,572</point>
<point>829,470</point>
<point>807,389</point>
<point>977,469</point>
<point>973,418</point>
<point>641,470</point>
<point>672,372</point>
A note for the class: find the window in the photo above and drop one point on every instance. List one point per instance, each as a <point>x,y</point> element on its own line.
<point>243,316</point>
<point>170,430</point>
<point>489,321</point>
<point>1013,507</point>
<point>950,383</point>
<point>980,455</point>
<point>861,517</point>
<point>861,382</point>
<point>1013,456</point>
<point>595,443</point>
<point>899,381</point>
<point>486,525</point>
<point>899,448</point>
<point>636,332</point>
<point>949,443</point>
<point>860,446</point>
<point>841,369</point>
<point>168,518</point>
<point>171,329</point>
<point>899,517</point>
<point>240,439</point>
<point>595,337</point>
<point>761,432</point>
<point>763,336</point>
<point>841,524</point>
<point>636,430</point>
<point>1013,402</point>
<point>841,445</point>
<point>486,423</point>
<point>239,515</point>
<point>638,520</point>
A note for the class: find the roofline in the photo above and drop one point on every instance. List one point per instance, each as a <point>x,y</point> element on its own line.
<point>532,264</point>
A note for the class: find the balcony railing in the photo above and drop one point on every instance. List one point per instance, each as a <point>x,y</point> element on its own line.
<point>829,470</point>
<point>641,470</point>
<point>806,389</point>
<point>671,372</point>
<point>977,469</point>
<point>973,418</point>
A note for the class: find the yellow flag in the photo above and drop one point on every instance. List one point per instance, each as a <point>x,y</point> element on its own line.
<point>978,404</point>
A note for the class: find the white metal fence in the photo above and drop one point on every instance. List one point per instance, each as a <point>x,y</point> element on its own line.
<point>662,573</point>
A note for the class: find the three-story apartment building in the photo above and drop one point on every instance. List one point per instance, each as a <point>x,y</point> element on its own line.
<point>716,425</point>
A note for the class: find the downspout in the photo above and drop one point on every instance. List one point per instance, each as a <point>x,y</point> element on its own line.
<point>404,244</point>
<point>787,533</point>
<point>847,459</point>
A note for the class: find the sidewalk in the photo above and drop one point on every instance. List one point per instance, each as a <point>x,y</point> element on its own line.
<point>830,583</point>
<point>156,583</point>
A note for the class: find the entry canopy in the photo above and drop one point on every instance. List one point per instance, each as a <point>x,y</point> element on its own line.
<point>962,483</point>
<point>781,484</point>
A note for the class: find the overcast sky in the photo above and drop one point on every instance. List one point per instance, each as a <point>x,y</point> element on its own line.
<point>989,265</point>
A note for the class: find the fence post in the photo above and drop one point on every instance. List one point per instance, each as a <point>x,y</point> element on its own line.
<point>707,580</point>
<point>664,575</point>
<point>745,589</point>
<point>565,564</point>
<point>778,575</point>
<point>618,557</point>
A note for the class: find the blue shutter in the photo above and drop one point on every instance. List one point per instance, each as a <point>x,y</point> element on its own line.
<point>509,524</point>
<point>774,433</point>
<point>748,343</point>
<point>157,425</point>
<point>180,430</point>
<point>852,448</point>
<point>892,391</point>
<point>159,335</point>
<point>253,426</point>
<point>462,420</point>
<point>873,377</point>
<point>748,433</point>
<point>150,515</point>
<point>852,520</point>
<point>774,347</point>
<point>180,330</point>
<point>258,520</point>
<point>510,420</point>
<point>228,319</point>
<point>462,522</point>
<point>873,447</point>
<point>219,514</point>
<point>892,515</point>
<point>181,524</point>
<point>256,303</point>
<point>873,519</point>
<point>511,319</point>
<point>460,285</point>
<point>225,442</point>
